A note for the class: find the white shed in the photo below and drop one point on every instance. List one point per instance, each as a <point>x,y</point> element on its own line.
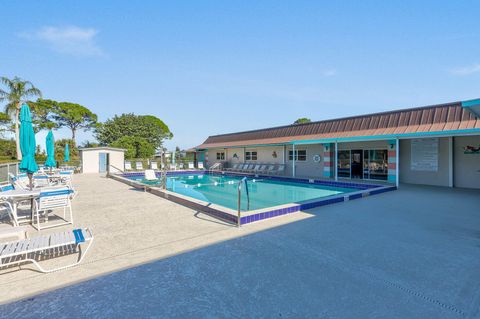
<point>98,159</point>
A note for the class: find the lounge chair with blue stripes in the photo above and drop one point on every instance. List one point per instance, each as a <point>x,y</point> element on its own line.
<point>20,181</point>
<point>57,244</point>
<point>50,200</point>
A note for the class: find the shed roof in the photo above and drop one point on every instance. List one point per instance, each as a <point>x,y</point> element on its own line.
<point>441,118</point>
<point>102,148</point>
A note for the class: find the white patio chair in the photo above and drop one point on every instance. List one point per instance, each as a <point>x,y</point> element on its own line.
<point>66,178</point>
<point>191,165</point>
<point>173,166</point>
<point>50,200</point>
<point>150,175</point>
<point>25,250</point>
<point>180,166</point>
<point>7,209</point>
<point>128,166</point>
<point>154,165</point>
<point>200,165</point>
<point>139,166</point>
<point>41,180</point>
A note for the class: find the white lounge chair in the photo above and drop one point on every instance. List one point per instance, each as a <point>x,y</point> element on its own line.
<point>21,251</point>
<point>234,167</point>
<point>180,166</point>
<point>139,166</point>
<point>200,165</point>
<point>50,200</point>
<point>20,181</point>
<point>128,166</point>
<point>154,165</point>
<point>150,175</point>
<point>191,165</point>
<point>280,170</point>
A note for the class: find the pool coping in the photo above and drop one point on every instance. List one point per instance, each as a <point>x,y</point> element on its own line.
<point>231,216</point>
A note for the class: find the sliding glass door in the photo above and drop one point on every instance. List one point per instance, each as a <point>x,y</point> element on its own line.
<point>365,164</point>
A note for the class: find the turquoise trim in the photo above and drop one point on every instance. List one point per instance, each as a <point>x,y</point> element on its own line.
<point>243,146</point>
<point>471,103</point>
<point>387,136</point>
<point>392,178</point>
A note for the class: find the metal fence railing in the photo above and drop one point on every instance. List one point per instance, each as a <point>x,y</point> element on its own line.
<point>6,168</point>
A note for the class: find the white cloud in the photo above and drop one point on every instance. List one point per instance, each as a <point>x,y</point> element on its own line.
<point>71,40</point>
<point>474,68</point>
<point>330,72</point>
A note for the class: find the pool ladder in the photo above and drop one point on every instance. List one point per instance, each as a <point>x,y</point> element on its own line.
<point>239,190</point>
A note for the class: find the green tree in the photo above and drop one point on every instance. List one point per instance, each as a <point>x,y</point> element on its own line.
<point>147,127</point>
<point>87,144</point>
<point>60,149</point>
<point>4,121</point>
<point>302,120</point>
<point>16,91</point>
<point>42,114</point>
<point>74,116</point>
<point>7,148</point>
<point>137,147</point>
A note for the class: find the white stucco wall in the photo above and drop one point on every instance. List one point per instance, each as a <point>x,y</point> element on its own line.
<point>466,171</point>
<point>90,159</point>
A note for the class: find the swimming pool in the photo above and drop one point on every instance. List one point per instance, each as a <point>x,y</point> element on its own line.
<point>263,192</point>
<point>216,193</point>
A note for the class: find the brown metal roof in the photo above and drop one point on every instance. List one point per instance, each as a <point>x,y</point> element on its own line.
<point>435,118</point>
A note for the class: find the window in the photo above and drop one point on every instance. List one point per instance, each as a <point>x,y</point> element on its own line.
<point>300,155</point>
<point>251,156</point>
<point>220,156</point>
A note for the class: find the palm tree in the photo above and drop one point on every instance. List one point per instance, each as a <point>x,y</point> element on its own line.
<point>17,92</point>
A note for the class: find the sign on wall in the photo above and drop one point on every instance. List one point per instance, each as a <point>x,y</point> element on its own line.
<point>424,155</point>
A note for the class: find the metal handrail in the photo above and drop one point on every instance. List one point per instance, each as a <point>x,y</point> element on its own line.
<point>239,190</point>
<point>118,169</point>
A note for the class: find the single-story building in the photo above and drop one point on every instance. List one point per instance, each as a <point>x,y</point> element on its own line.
<point>100,159</point>
<point>431,145</point>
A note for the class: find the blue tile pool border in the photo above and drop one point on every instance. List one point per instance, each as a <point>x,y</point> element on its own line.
<point>225,214</point>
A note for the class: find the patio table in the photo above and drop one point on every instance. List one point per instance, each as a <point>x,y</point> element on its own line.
<point>15,197</point>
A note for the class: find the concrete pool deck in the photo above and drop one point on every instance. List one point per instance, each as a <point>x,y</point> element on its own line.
<point>130,228</point>
<point>412,253</point>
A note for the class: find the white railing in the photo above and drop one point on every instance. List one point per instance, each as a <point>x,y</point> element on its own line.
<point>7,168</point>
<point>239,200</point>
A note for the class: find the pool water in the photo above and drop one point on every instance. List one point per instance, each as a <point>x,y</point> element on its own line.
<point>222,190</point>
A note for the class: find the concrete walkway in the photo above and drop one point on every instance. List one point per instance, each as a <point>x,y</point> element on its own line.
<point>413,253</point>
<point>130,228</point>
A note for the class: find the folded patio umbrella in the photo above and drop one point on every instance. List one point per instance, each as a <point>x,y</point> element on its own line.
<point>50,146</point>
<point>66,155</point>
<point>27,143</point>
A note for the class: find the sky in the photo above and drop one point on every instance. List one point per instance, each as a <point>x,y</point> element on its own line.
<point>213,67</point>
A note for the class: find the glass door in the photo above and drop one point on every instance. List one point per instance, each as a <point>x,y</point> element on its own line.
<point>343,165</point>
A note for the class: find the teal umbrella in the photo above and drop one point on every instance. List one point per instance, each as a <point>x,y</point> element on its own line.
<point>27,143</point>
<point>50,146</point>
<point>66,155</point>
